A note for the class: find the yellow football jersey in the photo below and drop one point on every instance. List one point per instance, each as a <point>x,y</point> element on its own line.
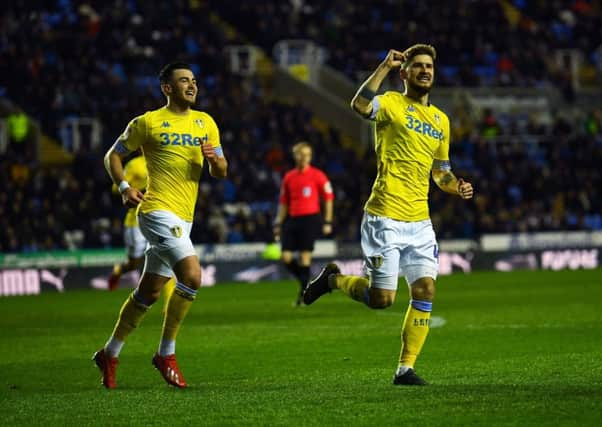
<point>171,145</point>
<point>409,136</point>
<point>136,174</point>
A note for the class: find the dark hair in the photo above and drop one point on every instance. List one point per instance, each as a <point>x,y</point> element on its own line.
<point>167,71</point>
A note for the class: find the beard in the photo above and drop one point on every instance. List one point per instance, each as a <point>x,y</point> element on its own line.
<point>419,90</point>
<point>182,99</point>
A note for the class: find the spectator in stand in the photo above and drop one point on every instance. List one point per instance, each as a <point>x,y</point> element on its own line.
<point>68,58</point>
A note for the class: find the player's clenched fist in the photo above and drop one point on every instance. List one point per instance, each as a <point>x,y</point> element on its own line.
<point>131,197</point>
<point>394,59</point>
<point>465,189</point>
<point>208,152</point>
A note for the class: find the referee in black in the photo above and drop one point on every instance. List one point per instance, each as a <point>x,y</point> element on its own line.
<point>298,222</point>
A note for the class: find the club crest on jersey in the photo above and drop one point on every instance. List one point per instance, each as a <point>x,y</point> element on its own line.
<point>165,125</point>
<point>199,123</point>
<point>410,109</point>
<point>176,230</point>
<point>306,191</point>
<point>377,261</point>
<point>437,118</point>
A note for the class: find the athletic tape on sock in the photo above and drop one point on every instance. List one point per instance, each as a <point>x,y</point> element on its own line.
<point>184,291</point>
<point>426,306</point>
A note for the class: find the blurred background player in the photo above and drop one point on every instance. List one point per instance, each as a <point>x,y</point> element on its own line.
<point>175,141</point>
<point>135,243</point>
<point>397,237</point>
<point>298,222</point>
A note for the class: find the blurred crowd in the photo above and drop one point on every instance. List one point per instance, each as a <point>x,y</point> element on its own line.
<point>501,42</point>
<point>528,175</point>
<point>101,58</point>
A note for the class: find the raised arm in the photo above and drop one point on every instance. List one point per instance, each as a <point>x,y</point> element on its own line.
<point>362,101</point>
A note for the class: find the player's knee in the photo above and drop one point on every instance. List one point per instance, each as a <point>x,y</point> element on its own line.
<point>149,288</point>
<point>191,277</point>
<point>380,299</point>
<point>148,295</point>
<point>423,289</point>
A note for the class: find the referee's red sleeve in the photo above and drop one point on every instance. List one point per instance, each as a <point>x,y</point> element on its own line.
<point>325,187</point>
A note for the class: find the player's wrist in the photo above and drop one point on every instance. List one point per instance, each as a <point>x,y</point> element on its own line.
<point>123,185</point>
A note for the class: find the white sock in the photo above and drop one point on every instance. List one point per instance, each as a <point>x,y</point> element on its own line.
<point>402,370</point>
<point>167,347</point>
<point>113,347</point>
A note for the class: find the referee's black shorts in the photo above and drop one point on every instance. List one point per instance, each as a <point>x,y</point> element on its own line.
<point>299,233</point>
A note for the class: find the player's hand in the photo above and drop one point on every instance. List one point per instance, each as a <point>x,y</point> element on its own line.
<point>327,229</point>
<point>208,151</point>
<point>132,197</point>
<point>394,59</point>
<point>465,190</point>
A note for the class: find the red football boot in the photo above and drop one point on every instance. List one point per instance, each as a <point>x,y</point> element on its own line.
<point>169,370</point>
<point>108,366</point>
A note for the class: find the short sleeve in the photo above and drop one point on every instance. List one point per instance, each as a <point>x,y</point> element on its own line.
<point>381,108</point>
<point>325,187</point>
<point>441,157</point>
<point>133,137</point>
<point>213,135</point>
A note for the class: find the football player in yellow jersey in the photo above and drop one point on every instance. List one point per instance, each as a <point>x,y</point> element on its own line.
<point>135,243</point>
<point>397,238</point>
<point>175,141</point>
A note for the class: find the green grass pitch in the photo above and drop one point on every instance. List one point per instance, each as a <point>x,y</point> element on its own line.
<point>520,348</point>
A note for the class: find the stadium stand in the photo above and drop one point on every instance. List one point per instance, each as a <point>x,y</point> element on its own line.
<point>100,59</point>
<point>491,42</point>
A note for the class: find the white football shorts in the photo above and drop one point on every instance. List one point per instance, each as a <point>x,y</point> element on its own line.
<point>392,248</point>
<point>135,243</point>
<point>169,241</point>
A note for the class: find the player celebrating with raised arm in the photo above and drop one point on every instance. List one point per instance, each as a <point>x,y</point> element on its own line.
<point>298,217</point>
<point>175,140</point>
<point>412,142</point>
